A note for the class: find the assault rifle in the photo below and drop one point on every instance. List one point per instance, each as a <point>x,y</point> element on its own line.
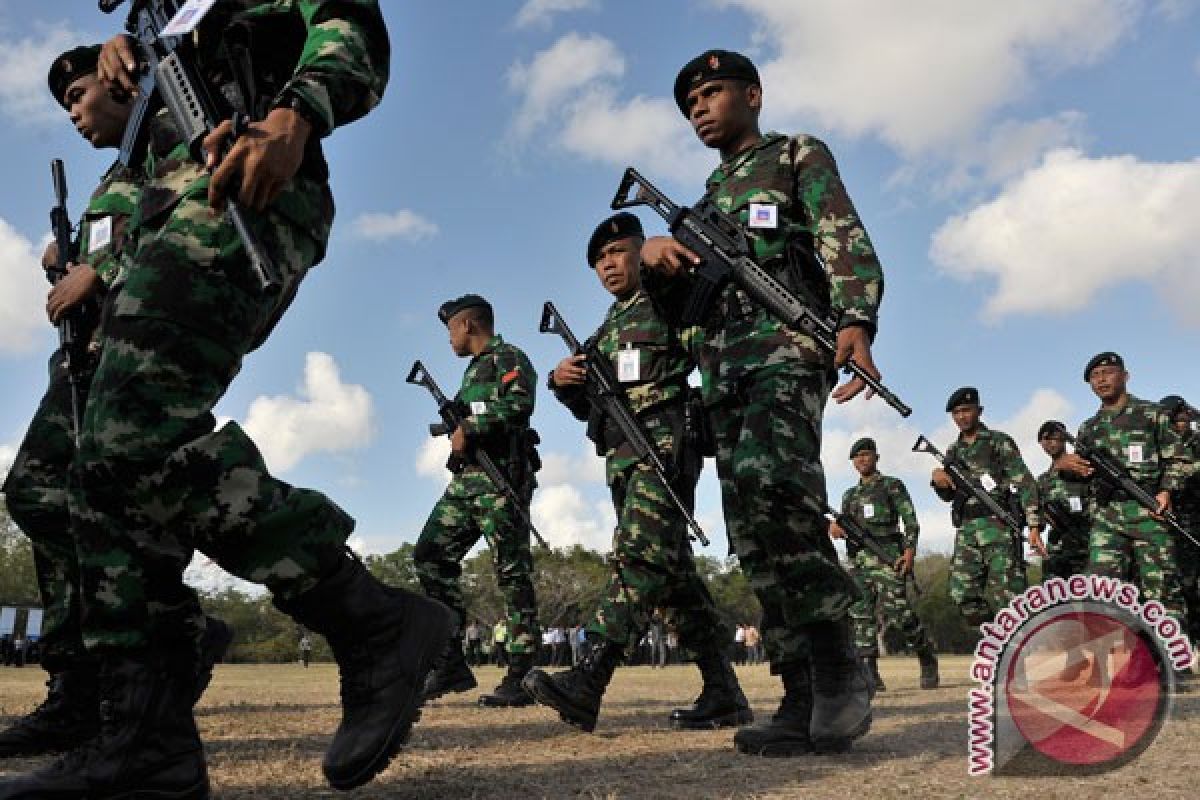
<point>965,484</point>
<point>69,328</point>
<point>608,395</point>
<point>721,245</point>
<point>1113,473</point>
<point>169,78</point>
<point>452,415</point>
<point>856,534</point>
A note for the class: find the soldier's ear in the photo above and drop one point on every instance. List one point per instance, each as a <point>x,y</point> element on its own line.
<point>754,96</point>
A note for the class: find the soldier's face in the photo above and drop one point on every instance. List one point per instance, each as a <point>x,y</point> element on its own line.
<point>619,266</point>
<point>1108,382</point>
<point>1053,446</point>
<point>1182,423</point>
<point>966,417</point>
<point>459,330</point>
<point>865,462</point>
<point>97,116</point>
<point>722,110</point>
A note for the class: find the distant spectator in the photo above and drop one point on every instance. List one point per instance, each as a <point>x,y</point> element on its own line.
<point>500,642</point>
<point>753,645</point>
<point>305,649</point>
<point>739,644</point>
<point>474,636</point>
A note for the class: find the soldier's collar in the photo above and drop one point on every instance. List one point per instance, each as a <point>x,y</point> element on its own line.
<point>982,432</point>
<point>495,341</point>
<point>621,306</point>
<point>872,478</point>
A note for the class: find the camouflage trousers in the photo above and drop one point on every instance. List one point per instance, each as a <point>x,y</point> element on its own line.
<point>653,568</point>
<point>1066,555</point>
<point>768,436</point>
<point>468,509</point>
<point>35,492</point>
<point>984,573</point>
<point>1149,560</point>
<point>154,479</point>
<point>1189,573</point>
<point>883,591</point>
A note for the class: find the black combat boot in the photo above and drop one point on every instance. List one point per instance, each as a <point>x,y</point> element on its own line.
<point>511,693</point>
<point>452,674</point>
<point>147,746</point>
<point>842,689</point>
<point>929,669</point>
<point>721,703</point>
<point>213,646</point>
<point>871,665</point>
<point>385,641</point>
<point>576,693</point>
<point>786,733</point>
<point>67,718</point>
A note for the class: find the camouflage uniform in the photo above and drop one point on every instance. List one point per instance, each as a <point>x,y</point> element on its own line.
<point>987,570</point>
<point>1065,497</point>
<point>1125,538</point>
<point>36,487</point>
<point>1187,506</point>
<point>155,479</point>
<point>880,503</point>
<point>652,556</point>
<point>498,390</point>
<point>765,385</point>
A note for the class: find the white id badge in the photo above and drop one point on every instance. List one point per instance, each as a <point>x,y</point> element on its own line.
<point>868,510</point>
<point>188,17</point>
<point>763,215</point>
<point>1075,504</point>
<point>987,482</point>
<point>99,234</point>
<point>629,366</point>
<point>1135,454</point>
<point>478,407</point>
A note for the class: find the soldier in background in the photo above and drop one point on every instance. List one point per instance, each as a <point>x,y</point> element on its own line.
<point>1064,497</point>
<point>1187,506</point>
<point>880,503</point>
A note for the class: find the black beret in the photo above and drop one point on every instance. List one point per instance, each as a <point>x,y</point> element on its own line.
<point>1107,359</point>
<point>864,444</point>
<point>1050,427</point>
<point>618,226</point>
<point>708,66</point>
<point>451,307</point>
<point>70,66</point>
<point>966,396</point>
<point>1174,404</point>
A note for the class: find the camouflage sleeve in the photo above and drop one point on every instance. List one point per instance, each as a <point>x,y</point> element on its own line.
<point>105,225</point>
<point>945,495</point>
<point>510,396</point>
<point>1017,475</point>
<point>1177,461</point>
<point>841,241</point>
<point>847,496</point>
<point>343,68</point>
<point>908,515</point>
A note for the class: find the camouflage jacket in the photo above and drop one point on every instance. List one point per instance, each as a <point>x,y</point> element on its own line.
<point>1140,438</point>
<point>787,194</point>
<point>497,392</point>
<point>995,462</point>
<point>1187,499</point>
<point>651,359</point>
<point>880,503</point>
<point>1064,497</point>
<point>104,228</point>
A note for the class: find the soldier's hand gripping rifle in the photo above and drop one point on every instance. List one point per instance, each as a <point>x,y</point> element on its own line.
<point>967,485</point>
<point>168,77</point>
<point>608,394</point>
<point>721,245</point>
<point>452,416</point>
<point>69,329</point>
<point>856,534</point>
<point>1113,473</point>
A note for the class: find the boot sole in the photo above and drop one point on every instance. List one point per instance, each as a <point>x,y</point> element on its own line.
<point>777,749</point>
<point>733,720</point>
<point>439,624</point>
<point>550,699</point>
<point>454,688</point>
<point>842,743</point>
<point>491,702</point>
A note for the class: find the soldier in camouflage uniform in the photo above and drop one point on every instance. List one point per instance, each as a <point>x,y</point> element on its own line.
<point>989,560</point>
<point>497,392</point>
<point>1187,506</point>
<point>651,355</point>
<point>765,389</point>
<point>152,479</point>
<point>1064,498</point>
<point>880,503</point>
<point>35,488</point>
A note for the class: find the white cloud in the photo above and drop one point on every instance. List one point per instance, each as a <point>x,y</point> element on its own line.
<point>564,517</point>
<point>402,224</point>
<point>539,12</point>
<point>328,416</point>
<point>431,459</point>
<point>557,73</point>
<point>1072,226</point>
<point>585,466</point>
<point>24,98</point>
<point>924,74</point>
<point>204,574</point>
<point>1012,147</point>
<point>23,323</point>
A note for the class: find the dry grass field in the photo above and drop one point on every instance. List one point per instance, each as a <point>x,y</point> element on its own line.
<point>266,727</point>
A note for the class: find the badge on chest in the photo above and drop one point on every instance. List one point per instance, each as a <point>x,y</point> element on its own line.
<point>629,365</point>
<point>764,215</point>
<point>868,511</point>
<point>99,234</point>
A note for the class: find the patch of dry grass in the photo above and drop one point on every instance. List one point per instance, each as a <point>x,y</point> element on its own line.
<point>266,728</point>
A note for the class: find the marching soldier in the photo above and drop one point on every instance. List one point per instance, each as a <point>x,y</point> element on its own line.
<point>1064,498</point>
<point>1187,506</point>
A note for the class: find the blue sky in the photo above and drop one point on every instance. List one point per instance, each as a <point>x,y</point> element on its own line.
<point>1028,172</point>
